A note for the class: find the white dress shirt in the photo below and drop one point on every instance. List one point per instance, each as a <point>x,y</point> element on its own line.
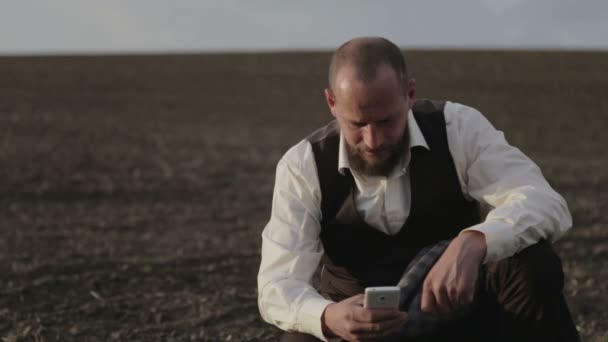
<point>521,209</point>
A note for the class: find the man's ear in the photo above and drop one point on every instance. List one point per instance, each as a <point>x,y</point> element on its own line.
<point>331,101</point>
<point>410,94</point>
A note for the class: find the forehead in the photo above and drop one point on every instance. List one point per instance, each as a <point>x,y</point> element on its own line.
<point>383,95</point>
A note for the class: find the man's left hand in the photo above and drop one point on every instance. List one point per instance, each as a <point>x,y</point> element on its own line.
<point>450,285</point>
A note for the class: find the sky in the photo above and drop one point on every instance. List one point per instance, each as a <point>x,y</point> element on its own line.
<point>128,26</point>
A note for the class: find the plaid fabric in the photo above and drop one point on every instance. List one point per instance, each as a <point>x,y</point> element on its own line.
<point>411,293</point>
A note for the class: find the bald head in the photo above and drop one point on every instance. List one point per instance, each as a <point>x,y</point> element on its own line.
<point>364,56</point>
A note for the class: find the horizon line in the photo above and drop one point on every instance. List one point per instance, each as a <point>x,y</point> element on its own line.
<point>214,51</point>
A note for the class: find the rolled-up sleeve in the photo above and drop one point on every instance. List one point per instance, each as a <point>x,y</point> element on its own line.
<point>291,248</point>
<point>523,208</point>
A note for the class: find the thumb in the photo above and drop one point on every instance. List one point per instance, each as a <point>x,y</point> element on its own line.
<point>355,300</point>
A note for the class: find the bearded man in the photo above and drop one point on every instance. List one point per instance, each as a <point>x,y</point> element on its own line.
<point>391,175</point>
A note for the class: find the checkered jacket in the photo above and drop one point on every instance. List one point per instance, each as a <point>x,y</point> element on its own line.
<point>411,293</point>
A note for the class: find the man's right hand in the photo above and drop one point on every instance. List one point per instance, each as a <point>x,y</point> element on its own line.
<point>349,320</point>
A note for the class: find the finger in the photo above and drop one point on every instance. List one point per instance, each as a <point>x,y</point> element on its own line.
<point>376,330</point>
<point>464,298</point>
<point>427,303</point>
<point>395,325</point>
<point>443,304</point>
<point>362,314</point>
<point>376,327</point>
<point>359,300</point>
<point>358,331</point>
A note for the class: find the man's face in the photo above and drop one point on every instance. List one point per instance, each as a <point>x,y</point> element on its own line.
<point>373,118</point>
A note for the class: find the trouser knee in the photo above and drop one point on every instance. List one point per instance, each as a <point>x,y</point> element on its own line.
<point>542,266</point>
<point>525,291</point>
<point>535,274</point>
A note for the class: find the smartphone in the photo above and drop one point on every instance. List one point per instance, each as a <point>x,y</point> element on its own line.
<point>382,297</point>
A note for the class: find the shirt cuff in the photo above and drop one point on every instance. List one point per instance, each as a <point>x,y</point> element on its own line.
<point>500,241</point>
<point>309,317</point>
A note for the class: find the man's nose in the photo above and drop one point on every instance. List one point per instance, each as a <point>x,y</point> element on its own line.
<point>372,137</point>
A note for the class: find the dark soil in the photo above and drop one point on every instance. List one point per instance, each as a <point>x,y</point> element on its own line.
<point>133,190</point>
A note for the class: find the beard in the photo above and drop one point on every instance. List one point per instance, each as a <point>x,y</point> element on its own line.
<point>391,154</point>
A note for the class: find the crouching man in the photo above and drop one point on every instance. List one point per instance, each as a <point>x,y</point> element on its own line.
<point>392,175</point>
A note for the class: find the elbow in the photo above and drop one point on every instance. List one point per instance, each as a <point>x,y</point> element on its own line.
<point>264,306</point>
<point>262,309</point>
<point>565,217</point>
<point>559,218</point>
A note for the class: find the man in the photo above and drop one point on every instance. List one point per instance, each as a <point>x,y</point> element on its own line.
<point>390,176</point>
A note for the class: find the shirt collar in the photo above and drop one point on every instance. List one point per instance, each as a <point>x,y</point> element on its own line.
<point>416,139</point>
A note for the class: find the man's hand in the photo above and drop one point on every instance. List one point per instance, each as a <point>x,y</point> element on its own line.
<point>450,285</point>
<point>350,321</point>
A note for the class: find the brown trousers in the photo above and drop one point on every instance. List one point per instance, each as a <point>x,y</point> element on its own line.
<point>520,299</point>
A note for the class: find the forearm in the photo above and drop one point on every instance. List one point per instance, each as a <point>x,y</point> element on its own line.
<point>523,216</point>
<point>286,298</point>
<point>292,306</point>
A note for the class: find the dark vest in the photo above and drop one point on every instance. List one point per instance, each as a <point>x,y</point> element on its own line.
<point>356,254</point>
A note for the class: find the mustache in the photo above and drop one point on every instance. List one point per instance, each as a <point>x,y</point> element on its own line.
<point>374,150</point>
